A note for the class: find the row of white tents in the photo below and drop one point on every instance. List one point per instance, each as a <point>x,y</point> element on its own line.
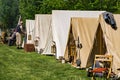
<point>95,35</point>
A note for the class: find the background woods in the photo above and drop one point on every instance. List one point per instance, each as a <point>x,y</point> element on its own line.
<point>11,9</point>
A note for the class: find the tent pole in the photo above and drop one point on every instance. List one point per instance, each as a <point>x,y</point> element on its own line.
<point>100,41</point>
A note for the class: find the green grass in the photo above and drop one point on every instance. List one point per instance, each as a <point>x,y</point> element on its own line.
<point>20,65</point>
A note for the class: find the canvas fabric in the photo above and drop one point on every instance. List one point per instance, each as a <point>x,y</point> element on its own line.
<point>61,25</point>
<point>30,24</point>
<point>112,40</point>
<point>43,33</point>
<point>85,29</point>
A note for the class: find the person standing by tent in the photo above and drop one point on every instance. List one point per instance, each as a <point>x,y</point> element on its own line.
<point>19,31</point>
<point>12,38</point>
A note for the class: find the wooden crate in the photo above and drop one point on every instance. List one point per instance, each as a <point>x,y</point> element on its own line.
<point>29,48</point>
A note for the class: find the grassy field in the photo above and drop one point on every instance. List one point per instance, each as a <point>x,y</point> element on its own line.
<point>19,65</point>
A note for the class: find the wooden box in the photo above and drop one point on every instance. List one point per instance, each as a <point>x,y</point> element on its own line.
<point>29,48</point>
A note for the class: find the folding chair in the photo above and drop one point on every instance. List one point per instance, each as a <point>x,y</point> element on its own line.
<point>106,69</point>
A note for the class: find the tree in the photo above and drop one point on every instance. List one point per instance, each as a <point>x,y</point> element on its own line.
<point>11,9</point>
<point>8,13</point>
<point>49,5</point>
<point>106,5</point>
<point>28,8</point>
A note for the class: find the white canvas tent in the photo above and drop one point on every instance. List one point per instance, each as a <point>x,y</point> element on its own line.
<point>112,40</point>
<point>61,26</point>
<point>86,30</point>
<point>43,33</point>
<point>30,24</point>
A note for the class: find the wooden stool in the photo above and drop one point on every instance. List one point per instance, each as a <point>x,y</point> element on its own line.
<point>29,48</point>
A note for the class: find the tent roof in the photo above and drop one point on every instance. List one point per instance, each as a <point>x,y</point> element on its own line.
<point>61,26</point>
<point>112,39</point>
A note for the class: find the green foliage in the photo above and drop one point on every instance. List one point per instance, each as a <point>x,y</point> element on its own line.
<point>107,5</point>
<point>8,13</point>
<point>49,5</point>
<point>28,8</point>
<point>10,9</point>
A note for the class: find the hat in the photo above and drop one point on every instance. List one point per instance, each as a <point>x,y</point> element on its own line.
<point>21,22</point>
